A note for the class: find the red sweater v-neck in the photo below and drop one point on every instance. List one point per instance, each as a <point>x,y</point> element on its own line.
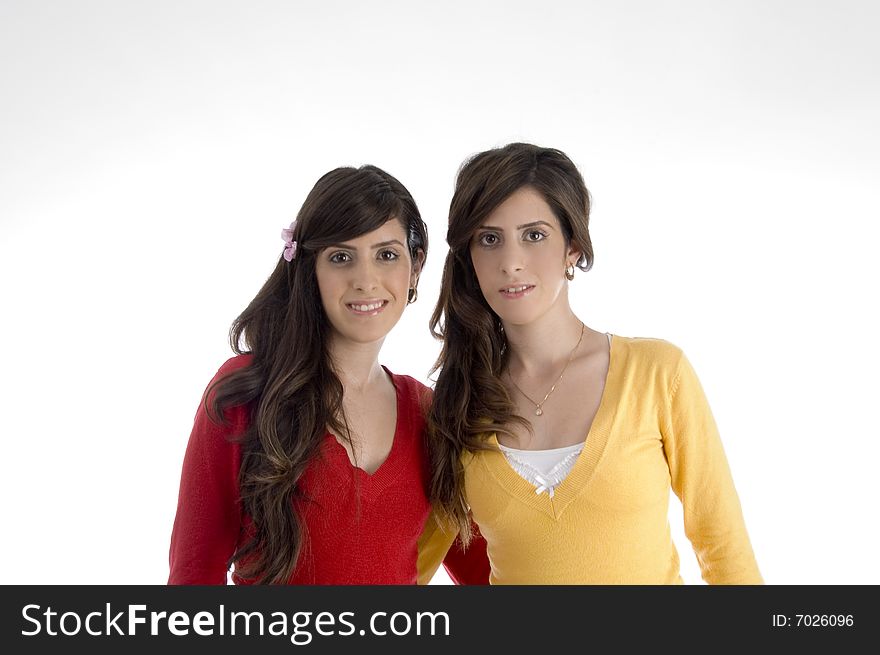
<point>359,528</point>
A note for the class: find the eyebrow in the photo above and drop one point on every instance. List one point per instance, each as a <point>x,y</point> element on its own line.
<point>518,227</point>
<point>381,244</point>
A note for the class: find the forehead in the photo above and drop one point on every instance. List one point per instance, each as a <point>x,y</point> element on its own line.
<point>525,205</point>
<point>391,230</point>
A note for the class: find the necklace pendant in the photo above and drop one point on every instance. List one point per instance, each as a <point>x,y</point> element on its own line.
<point>538,411</point>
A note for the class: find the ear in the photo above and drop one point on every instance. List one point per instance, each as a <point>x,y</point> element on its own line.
<point>418,262</point>
<point>573,256</point>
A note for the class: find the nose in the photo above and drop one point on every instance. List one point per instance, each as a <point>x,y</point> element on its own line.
<point>511,260</point>
<point>365,278</point>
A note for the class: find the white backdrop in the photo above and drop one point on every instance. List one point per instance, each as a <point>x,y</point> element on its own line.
<point>151,152</point>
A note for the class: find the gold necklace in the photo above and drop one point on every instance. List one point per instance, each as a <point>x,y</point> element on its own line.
<point>539,406</point>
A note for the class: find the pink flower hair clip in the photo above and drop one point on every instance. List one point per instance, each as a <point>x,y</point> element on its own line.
<point>289,243</point>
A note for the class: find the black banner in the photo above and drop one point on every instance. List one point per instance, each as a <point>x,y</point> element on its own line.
<point>99,619</point>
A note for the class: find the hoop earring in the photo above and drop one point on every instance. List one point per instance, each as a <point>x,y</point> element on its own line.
<point>412,295</point>
<point>569,272</point>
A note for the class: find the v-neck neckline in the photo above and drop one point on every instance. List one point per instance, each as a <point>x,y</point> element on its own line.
<point>597,437</point>
<point>384,470</point>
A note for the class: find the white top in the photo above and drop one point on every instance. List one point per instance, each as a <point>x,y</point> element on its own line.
<point>545,469</point>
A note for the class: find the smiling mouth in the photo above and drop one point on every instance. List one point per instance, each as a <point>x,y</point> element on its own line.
<point>517,291</point>
<point>367,308</point>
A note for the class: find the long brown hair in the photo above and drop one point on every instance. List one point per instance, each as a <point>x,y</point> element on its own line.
<point>290,388</point>
<point>470,400</point>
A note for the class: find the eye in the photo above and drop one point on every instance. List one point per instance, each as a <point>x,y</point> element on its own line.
<point>387,256</point>
<point>488,239</point>
<point>533,236</point>
<point>340,257</point>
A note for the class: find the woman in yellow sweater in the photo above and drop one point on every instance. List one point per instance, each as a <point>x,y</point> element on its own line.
<point>562,442</point>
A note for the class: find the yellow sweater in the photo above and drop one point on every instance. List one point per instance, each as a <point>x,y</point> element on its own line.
<point>607,522</point>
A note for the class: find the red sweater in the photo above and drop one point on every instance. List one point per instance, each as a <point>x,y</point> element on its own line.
<point>360,528</point>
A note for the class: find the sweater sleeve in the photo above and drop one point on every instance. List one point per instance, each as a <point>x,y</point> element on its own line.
<point>207,523</point>
<point>701,478</point>
<point>464,566</point>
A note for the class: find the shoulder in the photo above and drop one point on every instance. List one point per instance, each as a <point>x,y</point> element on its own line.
<point>649,360</point>
<point>659,362</point>
<point>233,364</point>
<point>408,382</point>
<point>236,415</point>
<point>230,366</point>
<point>649,350</point>
<point>420,394</point>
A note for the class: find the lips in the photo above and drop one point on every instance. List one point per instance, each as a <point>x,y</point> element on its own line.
<point>367,307</point>
<point>516,290</point>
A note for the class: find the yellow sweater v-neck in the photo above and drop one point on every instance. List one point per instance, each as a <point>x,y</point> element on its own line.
<point>607,522</point>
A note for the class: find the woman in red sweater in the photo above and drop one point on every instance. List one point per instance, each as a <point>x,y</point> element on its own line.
<point>306,461</point>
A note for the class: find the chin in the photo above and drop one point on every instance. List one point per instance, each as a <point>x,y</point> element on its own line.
<point>516,317</point>
<point>365,333</point>
<point>362,336</point>
<point>518,321</point>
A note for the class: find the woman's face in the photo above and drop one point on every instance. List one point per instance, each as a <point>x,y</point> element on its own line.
<point>364,282</point>
<point>519,255</point>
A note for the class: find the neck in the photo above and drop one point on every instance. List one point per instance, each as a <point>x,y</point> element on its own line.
<point>540,347</point>
<point>356,364</point>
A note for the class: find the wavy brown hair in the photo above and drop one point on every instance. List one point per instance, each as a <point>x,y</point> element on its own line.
<point>470,401</point>
<point>290,388</point>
